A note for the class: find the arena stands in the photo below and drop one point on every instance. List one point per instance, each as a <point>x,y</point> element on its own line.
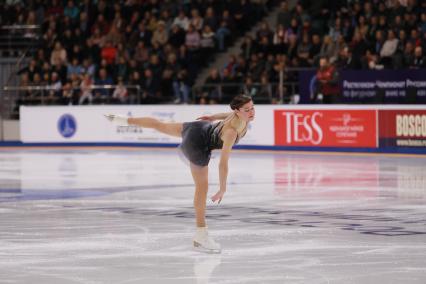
<point>358,35</point>
<point>153,49</point>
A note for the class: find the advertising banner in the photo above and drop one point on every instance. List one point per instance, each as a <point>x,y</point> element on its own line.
<point>63,124</point>
<point>326,128</point>
<point>372,86</point>
<point>384,86</point>
<point>402,128</point>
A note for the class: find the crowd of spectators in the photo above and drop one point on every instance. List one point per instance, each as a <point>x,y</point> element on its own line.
<point>378,34</point>
<point>152,49</point>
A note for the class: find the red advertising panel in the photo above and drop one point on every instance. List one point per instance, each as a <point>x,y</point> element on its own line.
<point>327,128</point>
<point>402,128</point>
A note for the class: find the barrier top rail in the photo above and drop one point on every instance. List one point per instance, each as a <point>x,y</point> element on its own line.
<point>49,88</point>
<point>19,27</point>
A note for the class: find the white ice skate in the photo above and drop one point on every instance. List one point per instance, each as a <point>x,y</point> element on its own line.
<point>119,120</point>
<point>204,243</point>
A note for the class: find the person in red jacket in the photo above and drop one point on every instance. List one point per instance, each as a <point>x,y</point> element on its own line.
<point>109,52</point>
<point>327,78</point>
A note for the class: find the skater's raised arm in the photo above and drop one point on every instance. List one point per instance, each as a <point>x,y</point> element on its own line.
<point>213,117</point>
<point>228,138</point>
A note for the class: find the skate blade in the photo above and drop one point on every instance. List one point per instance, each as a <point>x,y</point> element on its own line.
<point>198,247</point>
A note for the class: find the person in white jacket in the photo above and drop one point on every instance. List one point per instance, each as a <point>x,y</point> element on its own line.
<point>389,48</point>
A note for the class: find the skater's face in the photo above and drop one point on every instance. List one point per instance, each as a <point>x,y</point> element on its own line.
<point>246,112</point>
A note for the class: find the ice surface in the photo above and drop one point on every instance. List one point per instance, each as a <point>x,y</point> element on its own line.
<point>125,216</point>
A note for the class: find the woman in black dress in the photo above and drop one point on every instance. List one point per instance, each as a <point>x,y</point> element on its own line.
<point>199,138</point>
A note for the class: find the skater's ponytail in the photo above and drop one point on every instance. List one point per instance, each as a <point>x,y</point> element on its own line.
<point>238,101</point>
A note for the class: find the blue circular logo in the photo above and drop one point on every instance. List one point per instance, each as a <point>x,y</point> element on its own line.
<point>67,125</point>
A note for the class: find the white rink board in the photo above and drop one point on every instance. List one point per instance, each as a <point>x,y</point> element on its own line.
<point>40,124</point>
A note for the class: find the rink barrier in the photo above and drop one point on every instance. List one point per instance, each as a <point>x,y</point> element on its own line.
<point>340,128</point>
<point>408,151</point>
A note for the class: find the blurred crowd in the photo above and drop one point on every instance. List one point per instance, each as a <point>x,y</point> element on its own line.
<point>152,49</point>
<point>368,35</point>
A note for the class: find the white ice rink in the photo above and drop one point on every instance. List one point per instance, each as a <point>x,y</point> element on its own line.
<point>125,216</point>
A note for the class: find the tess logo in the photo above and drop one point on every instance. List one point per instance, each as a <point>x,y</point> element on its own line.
<point>328,128</point>
<point>303,127</point>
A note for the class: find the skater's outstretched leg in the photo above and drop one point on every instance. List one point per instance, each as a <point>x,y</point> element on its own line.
<point>172,129</point>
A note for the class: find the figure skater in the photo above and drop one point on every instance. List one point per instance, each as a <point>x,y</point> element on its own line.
<point>199,138</point>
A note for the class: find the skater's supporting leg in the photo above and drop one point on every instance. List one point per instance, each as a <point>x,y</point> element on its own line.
<point>202,241</point>
<point>200,176</point>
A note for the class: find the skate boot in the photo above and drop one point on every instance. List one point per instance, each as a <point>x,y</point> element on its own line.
<point>119,120</point>
<point>204,243</point>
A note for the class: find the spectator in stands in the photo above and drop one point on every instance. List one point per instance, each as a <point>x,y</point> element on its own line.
<point>114,36</point>
<point>55,89</point>
<point>388,49</point>
<point>408,54</point>
<point>284,15</point>
<point>223,32</point>
<point>196,21</point>
<point>150,87</point>
<point>378,42</point>
<point>336,30</point>
<point>264,31</point>
<point>210,19</point>
<point>140,34</point>
<point>303,51</point>
<point>182,87</point>
<point>358,47</point>
<point>327,78</point>
<point>181,20</point>
<point>264,95</point>
<point>101,25</point>
<point>168,77</point>
<point>89,67</point>
<point>31,69</point>
<point>160,35</point>
<point>279,40</point>
<point>419,60</point>
<point>207,42</point>
<point>120,94</point>
<point>192,39</point>
<point>328,48</point>
<point>177,36</point>
<point>230,86</point>
<point>248,47</point>
<point>249,87</point>
<point>212,89</point>
<point>71,11</point>
<point>69,94</point>
<point>101,94</point>
<point>86,90</point>
<point>74,68</point>
<point>241,67</point>
<point>109,52</point>
<point>122,69</point>
<point>315,49</point>
<point>59,54</point>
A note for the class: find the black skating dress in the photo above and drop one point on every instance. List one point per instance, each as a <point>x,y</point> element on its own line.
<point>199,138</point>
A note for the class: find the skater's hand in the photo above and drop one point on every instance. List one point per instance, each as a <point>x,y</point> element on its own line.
<point>218,196</point>
<point>206,117</point>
